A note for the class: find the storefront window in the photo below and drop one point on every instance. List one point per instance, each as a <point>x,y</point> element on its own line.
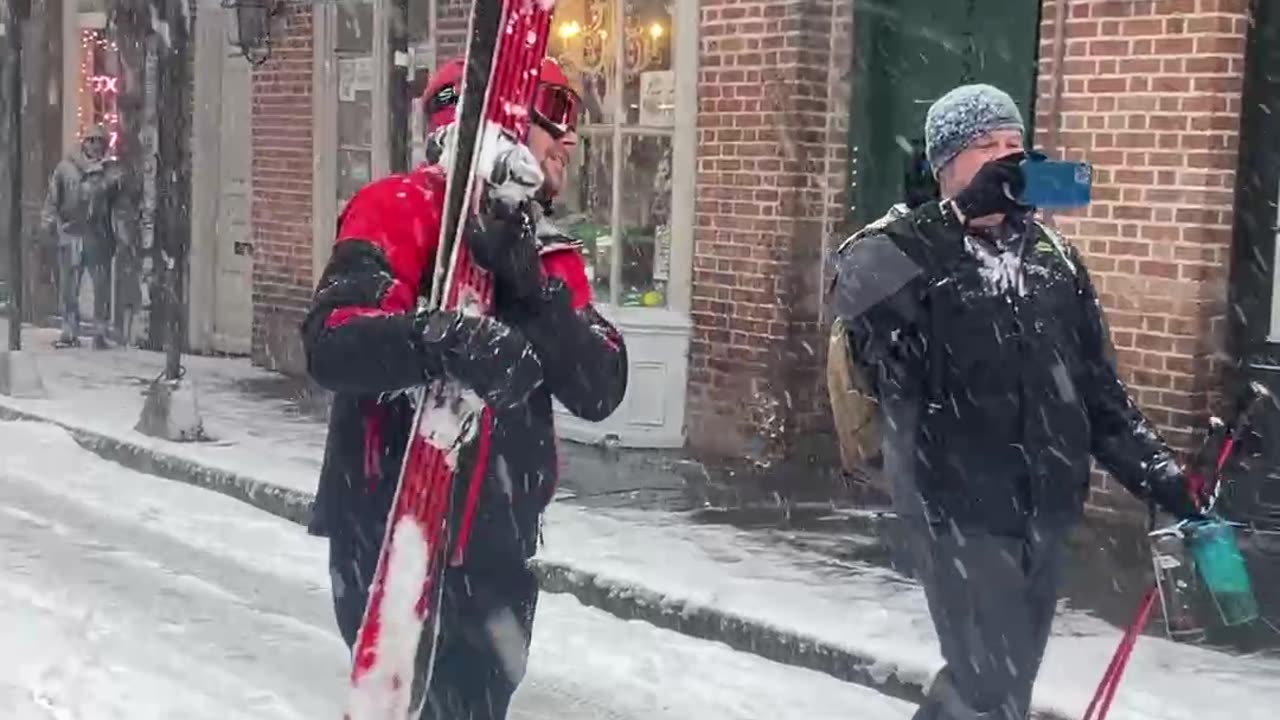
<point>422,62</point>
<point>353,48</point>
<point>619,197</point>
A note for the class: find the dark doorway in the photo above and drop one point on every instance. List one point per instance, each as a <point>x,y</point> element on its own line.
<point>1254,495</point>
<point>907,53</point>
<point>1257,190</point>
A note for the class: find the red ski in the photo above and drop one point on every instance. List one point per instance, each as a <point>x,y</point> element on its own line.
<point>507,43</point>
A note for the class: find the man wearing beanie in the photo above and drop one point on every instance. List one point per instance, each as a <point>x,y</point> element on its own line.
<point>987,352</point>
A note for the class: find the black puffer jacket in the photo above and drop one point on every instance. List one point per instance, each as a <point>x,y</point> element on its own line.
<point>994,368</point>
<point>362,337</point>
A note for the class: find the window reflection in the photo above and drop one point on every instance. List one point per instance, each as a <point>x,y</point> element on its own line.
<point>586,207</point>
<point>586,42</point>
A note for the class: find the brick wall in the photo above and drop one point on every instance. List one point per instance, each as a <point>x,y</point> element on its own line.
<point>1152,99</point>
<point>282,180</point>
<point>451,28</point>
<point>764,202</point>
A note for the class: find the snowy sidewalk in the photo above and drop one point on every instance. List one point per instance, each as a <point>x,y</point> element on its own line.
<point>855,621</point>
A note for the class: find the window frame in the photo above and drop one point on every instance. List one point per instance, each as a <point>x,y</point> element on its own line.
<point>683,138</point>
<point>683,134</point>
<point>324,119</point>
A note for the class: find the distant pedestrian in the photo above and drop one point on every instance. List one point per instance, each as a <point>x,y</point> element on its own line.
<point>81,216</point>
<point>982,338</point>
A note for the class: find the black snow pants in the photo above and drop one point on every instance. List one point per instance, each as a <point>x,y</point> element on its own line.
<point>486,616</point>
<point>992,599</point>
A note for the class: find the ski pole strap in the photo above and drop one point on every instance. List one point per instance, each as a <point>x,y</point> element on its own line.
<point>935,355</point>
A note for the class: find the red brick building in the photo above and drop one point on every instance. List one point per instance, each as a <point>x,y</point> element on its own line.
<point>729,143</point>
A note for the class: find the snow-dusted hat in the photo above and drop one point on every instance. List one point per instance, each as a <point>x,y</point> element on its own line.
<point>964,115</point>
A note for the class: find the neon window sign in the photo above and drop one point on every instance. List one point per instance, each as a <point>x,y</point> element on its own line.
<point>100,89</point>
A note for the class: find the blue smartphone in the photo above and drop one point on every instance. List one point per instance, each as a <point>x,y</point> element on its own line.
<point>1056,184</point>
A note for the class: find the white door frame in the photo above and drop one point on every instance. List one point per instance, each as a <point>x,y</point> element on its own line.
<point>205,289</point>
<point>1274,334</point>
<point>202,263</point>
<point>324,119</point>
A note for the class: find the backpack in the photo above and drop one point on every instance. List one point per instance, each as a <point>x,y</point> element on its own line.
<point>854,407</point>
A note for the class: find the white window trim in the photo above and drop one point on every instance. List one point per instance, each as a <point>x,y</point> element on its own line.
<point>324,136</point>
<point>684,163</point>
<point>684,170</point>
<point>1274,335</point>
<point>657,337</point>
<point>324,120</point>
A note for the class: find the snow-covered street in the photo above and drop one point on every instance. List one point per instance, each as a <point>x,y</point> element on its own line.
<point>124,596</point>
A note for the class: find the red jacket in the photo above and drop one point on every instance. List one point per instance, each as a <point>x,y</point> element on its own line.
<point>363,341</point>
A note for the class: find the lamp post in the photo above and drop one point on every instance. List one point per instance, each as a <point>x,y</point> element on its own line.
<point>18,374</point>
<point>11,36</point>
<point>170,410</point>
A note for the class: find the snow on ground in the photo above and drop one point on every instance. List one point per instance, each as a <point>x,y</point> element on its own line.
<point>252,435</point>
<point>124,596</point>
<point>881,615</point>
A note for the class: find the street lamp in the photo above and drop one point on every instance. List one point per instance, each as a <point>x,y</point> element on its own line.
<point>249,26</point>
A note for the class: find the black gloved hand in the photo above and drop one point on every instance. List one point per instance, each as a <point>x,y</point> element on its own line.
<point>501,240</point>
<point>994,189</point>
<point>493,359</point>
<point>1171,491</point>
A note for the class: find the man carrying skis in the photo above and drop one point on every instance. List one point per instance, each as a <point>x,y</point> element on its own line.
<point>983,339</point>
<point>367,341</point>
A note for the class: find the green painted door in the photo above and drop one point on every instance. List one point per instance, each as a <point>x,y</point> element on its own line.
<point>907,53</point>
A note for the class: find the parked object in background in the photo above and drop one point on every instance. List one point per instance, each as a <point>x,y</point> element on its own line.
<point>1178,585</point>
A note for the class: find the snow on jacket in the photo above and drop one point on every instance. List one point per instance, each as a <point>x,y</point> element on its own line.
<point>83,206</point>
<point>994,369</point>
<point>362,339</point>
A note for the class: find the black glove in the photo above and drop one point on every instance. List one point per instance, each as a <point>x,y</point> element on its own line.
<point>501,240</point>
<point>1171,491</point>
<point>486,356</point>
<point>994,189</point>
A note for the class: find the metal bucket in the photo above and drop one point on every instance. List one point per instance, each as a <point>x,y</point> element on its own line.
<point>1179,587</point>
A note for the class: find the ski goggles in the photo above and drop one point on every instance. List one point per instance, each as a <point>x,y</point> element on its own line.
<point>555,109</point>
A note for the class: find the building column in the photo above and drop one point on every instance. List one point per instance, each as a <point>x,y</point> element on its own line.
<point>283,179</point>
<point>771,167</point>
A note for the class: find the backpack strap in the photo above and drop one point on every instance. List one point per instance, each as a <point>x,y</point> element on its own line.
<point>935,357</point>
<point>1059,245</point>
<point>895,212</point>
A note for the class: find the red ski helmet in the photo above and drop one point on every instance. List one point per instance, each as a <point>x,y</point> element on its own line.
<point>555,103</point>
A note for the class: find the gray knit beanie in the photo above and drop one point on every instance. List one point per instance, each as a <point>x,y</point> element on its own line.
<point>964,115</point>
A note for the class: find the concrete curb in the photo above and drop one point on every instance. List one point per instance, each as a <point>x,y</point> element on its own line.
<point>624,600</point>
<point>291,505</point>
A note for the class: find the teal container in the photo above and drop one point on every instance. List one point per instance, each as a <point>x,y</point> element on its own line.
<point>1217,556</point>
